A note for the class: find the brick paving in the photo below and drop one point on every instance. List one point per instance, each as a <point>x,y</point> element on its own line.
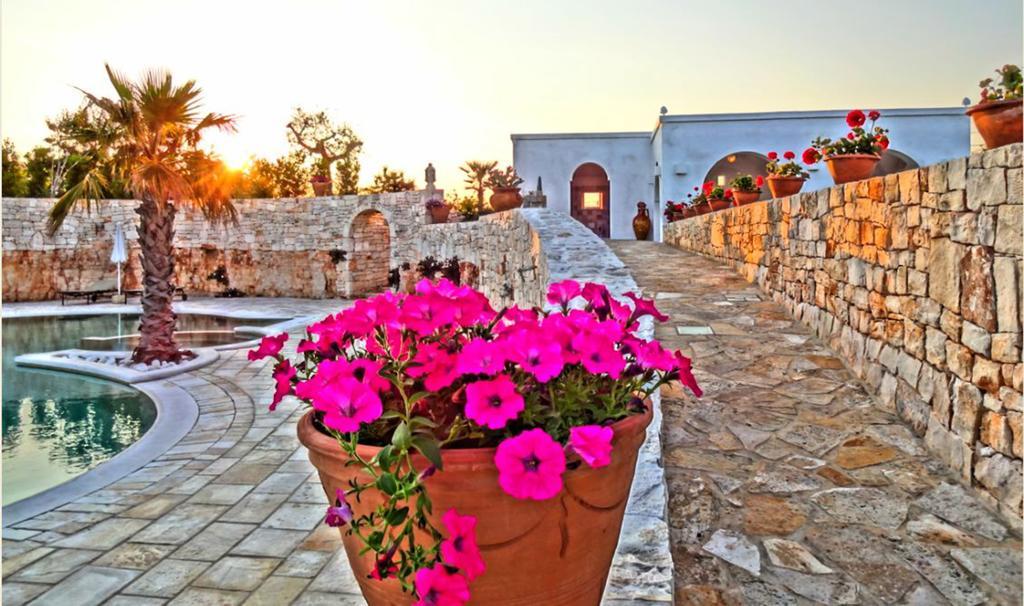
<point>788,483</point>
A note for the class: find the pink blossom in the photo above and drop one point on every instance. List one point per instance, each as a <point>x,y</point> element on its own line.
<point>436,586</point>
<point>493,403</point>
<point>598,355</point>
<point>536,354</point>
<point>593,443</point>
<point>481,357</point>
<point>460,550</point>
<point>596,294</point>
<point>330,373</point>
<point>269,346</point>
<point>652,356</point>
<point>685,374</point>
<point>340,513</point>
<point>435,365</point>
<point>645,307</point>
<point>561,293</point>
<point>530,465</point>
<point>284,372</point>
<point>424,314</point>
<point>346,404</point>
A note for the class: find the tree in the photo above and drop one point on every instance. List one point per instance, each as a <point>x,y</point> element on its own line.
<point>387,181</point>
<point>156,127</point>
<point>73,134</point>
<point>291,175</point>
<point>477,175</point>
<point>14,178</point>
<point>332,146</point>
<point>38,167</point>
<point>257,181</point>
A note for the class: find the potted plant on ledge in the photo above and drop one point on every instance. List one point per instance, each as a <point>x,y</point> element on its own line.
<point>438,210</point>
<point>746,188</point>
<point>998,115</point>
<point>505,185</point>
<point>784,178</point>
<point>467,451</point>
<point>321,185</point>
<point>718,198</point>
<point>853,157</point>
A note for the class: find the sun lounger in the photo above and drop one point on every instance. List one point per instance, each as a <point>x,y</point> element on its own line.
<point>99,288</point>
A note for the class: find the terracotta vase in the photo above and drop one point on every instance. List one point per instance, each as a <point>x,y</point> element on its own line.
<point>999,122</point>
<point>851,167</point>
<point>641,222</point>
<point>506,198</point>
<point>784,186</point>
<point>556,551</point>
<point>745,197</point>
<point>718,204</point>
<point>439,214</point>
<point>321,188</point>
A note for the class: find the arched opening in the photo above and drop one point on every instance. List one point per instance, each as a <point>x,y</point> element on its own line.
<point>893,161</point>
<point>590,196</point>
<point>370,259</point>
<point>738,163</point>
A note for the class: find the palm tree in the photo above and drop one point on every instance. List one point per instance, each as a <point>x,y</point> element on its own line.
<point>477,174</point>
<point>150,139</point>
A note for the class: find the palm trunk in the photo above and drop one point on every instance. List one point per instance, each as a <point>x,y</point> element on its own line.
<point>156,239</point>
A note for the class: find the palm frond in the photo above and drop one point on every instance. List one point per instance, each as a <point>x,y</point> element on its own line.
<point>90,188</point>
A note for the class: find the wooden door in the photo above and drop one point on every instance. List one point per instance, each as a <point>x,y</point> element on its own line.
<point>590,198</point>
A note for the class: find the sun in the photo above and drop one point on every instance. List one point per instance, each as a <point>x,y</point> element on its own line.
<point>237,161</point>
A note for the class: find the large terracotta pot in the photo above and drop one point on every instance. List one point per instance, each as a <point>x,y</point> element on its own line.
<point>718,204</point>
<point>439,214</point>
<point>641,222</point>
<point>745,197</point>
<point>784,186</point>
<point>556,551</point>
<point>506,198</point>
<point>321,188</point>
<point>999,122</point>
<point>851,167</point>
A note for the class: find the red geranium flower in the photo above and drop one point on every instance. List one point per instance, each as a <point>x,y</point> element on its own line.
<point>855,118</point>
<point>850,136</point>
<point>883,142</point>
<point>708,186</point>
<point>728,193</point>
<point>759,181</point>
<point>811,155</point>
<point>874,115</point>
<point>773,156</point>
<point>789,155</point>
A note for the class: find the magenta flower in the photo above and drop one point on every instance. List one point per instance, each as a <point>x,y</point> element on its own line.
<point>530,465</point>
<point>598,355</point>
<point>459,550</point>
<point>652,356</point>
<point>384,565</point>
<point>436,586</point>
<point>340,513</point>
<point>645,307</point>
<point>481,357</point>
<point>593,443</point>
<point>536,354</point>
<point>424,314</point>
<point>435,365</point>
<point>269,346</point>
<point>284,372</point>
<point>561,293</point>
<point>347,404</point>
<point>493,403</point>
<point>684,373</point>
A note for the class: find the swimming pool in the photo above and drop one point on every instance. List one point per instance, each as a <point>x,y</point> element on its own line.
<point>58,425</point>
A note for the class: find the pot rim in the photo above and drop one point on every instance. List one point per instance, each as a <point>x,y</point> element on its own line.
<point>853,157</point>
<point>785,178</point>
<point>1000,104</point>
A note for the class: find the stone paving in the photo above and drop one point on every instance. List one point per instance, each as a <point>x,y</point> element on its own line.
<point>787,483</point>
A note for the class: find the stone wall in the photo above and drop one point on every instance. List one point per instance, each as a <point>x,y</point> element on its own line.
<point>301,247</point>
<point>915,278</point>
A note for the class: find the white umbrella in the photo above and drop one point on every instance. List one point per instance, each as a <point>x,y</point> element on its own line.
<point>119,253</point>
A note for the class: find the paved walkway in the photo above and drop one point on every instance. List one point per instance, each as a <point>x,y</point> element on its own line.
<point>787,484</point>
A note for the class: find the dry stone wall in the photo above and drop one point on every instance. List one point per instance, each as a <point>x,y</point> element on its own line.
<point>915,278</point>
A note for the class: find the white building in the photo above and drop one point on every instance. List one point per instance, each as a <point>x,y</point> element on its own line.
<point>599,177</point>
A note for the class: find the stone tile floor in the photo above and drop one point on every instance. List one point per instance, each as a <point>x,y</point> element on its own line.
<point>788,484</point>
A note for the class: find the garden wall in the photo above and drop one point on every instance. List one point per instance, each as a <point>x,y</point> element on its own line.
<point>915,279</point>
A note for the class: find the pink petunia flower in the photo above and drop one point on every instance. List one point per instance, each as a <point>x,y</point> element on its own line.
<point>460,550</point>
<point>493,403</point>
<point>284,372</point>
<point>561,293</point>
<point>530,465</point>
<point>424,314</point>
<point>652,356</point>
<point>593,443</point>
<point>436,586</point>
<point>435,365</point>
<point>645,307</point>
<point>340,513</point>
<point>685,372</point>
<point>481,357</point>
<point>269,346</point>
<point>347,404</point>
<point>598,355</point>
<point>536,354</point>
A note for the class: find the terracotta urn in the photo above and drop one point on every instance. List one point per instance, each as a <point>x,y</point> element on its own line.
<point>745,197</point>
<point>717,204</point>
<point>851,167</point>
<point>506,198</point>
<point>556,551</point>
<point>641,222</point>
<point>784,186</point>
<point>999,122</point>
<point>321,188</point>
<point>439,214</point>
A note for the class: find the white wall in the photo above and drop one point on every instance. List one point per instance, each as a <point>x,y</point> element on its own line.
<point>626,157</point>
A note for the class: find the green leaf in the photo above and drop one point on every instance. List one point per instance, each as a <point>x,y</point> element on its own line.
<point>417,422</point>
<point>429,448</point>
<point>397,516</point>
<point>391,414</point>
<point>402,436</point>
<point>387,484</point>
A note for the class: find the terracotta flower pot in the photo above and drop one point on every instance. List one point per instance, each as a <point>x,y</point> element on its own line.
<point>718,204</point>
<point>506,198</point>
<point>439,214</point>
<point>784,186</point>
<point>556,551</point>
<point>321,188</point>
<point>745,197</point>
<point>999,122</point>
<point>689,211</point>
<point>851,167</point>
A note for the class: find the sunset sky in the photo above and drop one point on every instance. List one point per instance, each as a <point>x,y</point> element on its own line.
<point>449,81</point>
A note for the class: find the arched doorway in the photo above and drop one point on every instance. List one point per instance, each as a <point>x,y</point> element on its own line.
<point>370,258</point>
<point>590,195</point>
<point>893,161</point>
<point>738,163</point>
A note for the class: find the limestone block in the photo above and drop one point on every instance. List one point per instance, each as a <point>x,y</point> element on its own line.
<point>944,262</point>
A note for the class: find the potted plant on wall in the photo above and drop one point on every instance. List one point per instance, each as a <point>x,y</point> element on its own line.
<point>471,451</point>
<point>998,115</point>
<point>854,156</point>
<point>784,178</point>
<point>505,185</point>
<point>438,210</point>
<point>718,198</point>
<point>746,188</point>
<point>321,185</point>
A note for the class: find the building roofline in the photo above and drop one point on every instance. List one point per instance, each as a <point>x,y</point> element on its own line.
<point>809,115</point>
<point>613,135</point>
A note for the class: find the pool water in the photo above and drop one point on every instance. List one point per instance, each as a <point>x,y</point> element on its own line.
<point>58,425</point>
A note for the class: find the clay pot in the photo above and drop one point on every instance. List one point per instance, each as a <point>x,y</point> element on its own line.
<point>641,222</point>
<point>784,186</point>
<point>506,198</point>
<point>999,122</point>
<point>689,211</point>
<point>745,197</point>
<point>718,204</point>
<point>439,214</point>
<point>321,188</point>
<point>851,167</point>
<point>556,551</point>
